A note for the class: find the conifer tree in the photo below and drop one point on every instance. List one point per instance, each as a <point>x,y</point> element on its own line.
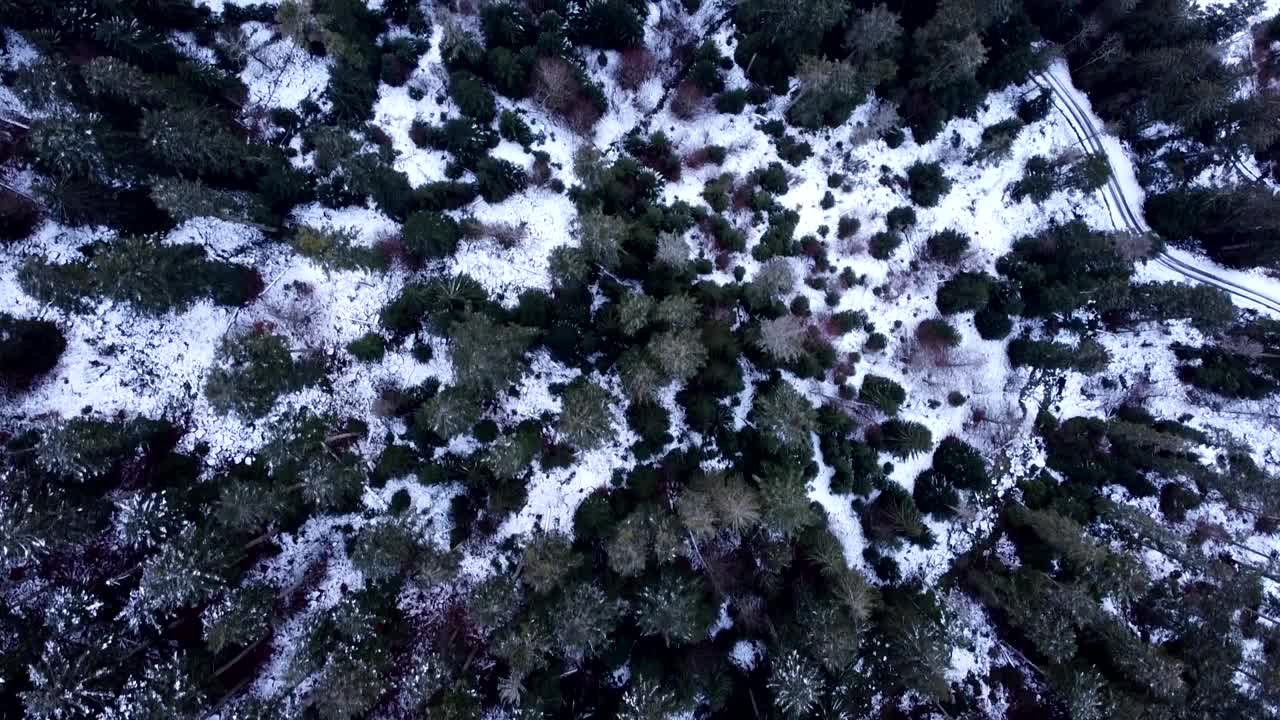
<point>785,418</point>
<point>585,418</point>
<point>796,684</point>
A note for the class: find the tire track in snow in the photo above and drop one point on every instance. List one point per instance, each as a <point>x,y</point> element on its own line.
<point>1113,196</point>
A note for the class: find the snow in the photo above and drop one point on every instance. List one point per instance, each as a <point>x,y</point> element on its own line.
<point>279,73</point>
<point>746,654</point>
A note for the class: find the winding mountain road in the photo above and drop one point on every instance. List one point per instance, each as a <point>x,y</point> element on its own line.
<point>1113,195</point>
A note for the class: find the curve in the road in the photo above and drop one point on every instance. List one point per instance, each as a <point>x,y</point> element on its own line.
<point>1087,133</point>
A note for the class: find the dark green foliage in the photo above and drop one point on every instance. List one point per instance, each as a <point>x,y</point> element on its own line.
<point>772,179</point>
<point>934,495</point>
<point>828,93</point>
<point>352,93</point>
<point>28,349</point>
<point>512,127</point>
<point>1058,270</point>
<point>1227,373</point>
<point>430,236</point>
<point>466,140</point>
<point>900,218</point>
<point>370,347</point>
<point>882,244</point>
<point>893,514</point>
<point>927,183</point>
<point>992,324</point>
<point>731,102</point>
<point>498,180</point>
<point>904,439</point>
<point>883,393</point>
<point>474,100</point>
<point>607,24</point>
<point>964,292</point>
<point>937,333</point>
<point>153,277</point>
<point>1087,357</point>
<point>255,369</point>
<point>947,246</point>
<point>1235,227</point>
<point>1042,176</point>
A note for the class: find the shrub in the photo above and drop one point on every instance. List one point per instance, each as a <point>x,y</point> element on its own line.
<point>893,513</point>
<point>254,370</point>
<point>882,244</point>
<point>772,179</point>
<point>947,246</point>
<point>937,333</point>
<point>474,100</point>
<point>900,218</point>
<point>370,347</point>
<point>498,180</point>
<point>934,495</point>
<point>927,183</point>
<point>1088,357</point>
<point>882,393</point>
<point>904,439</point>
<point>961,465</point>
<point>731,102</point>
<point>847,227</point>
<point>513,128</point>
<point>607,24</point>
<point>430,236</point>
<point>351,93</point>
<point>992,324</point>
<point>965,292</point>
<point>28,349</point>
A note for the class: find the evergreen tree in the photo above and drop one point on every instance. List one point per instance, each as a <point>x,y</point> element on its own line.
<point>676,608</point>
<point>784,417</point>
<point>796,684</point>
<point>547,561</point>
<point>782,338</point>
<point>585,419</point>
<point>486,356</point>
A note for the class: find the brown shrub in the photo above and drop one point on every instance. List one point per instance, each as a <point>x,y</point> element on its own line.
<point>687,101</point>
<point>637,65</point>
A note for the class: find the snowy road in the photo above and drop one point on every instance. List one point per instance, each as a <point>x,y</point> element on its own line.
<point>1122,193</point>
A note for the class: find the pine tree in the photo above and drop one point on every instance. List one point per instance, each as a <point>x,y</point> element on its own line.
<point>883,393</point>
<point>585,418</point>
<point>634,311</point>
<point>737,504</point>
<point>582,621</point>
<point>189,199</point>
<point>601,237</point>
<point>628,550</point>
<point>187,571</point>
<point>645,699</point>
<point>677,312</point>
<point>384,549</point>
<point>548,559</point>
<point>143,520</point>
<point>241,617</point>
<point>784,496</point>
<point>782,338</point>
<point>679,354</point>
<point>673,252</point>
<point>486,355</point>
<point>676,608</point>
<point>785,418</point>
<point>453,411</point>
<point>796,684</point>
<point>257,369</point>
<point>772,280</point>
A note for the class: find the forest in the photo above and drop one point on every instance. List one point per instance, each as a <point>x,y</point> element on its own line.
<point>639,359</point>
